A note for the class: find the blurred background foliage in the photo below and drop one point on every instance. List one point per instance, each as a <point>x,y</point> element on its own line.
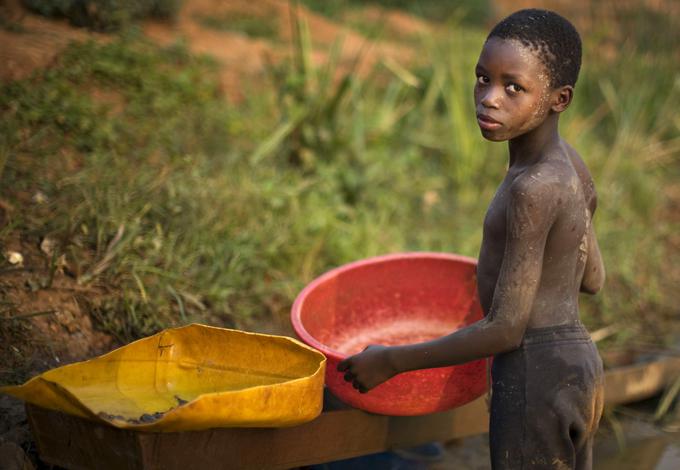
<point>191,207</point>
<point>104,15</point>
<point>475,12</point>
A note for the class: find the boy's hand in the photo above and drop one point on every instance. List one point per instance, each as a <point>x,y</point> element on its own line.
<point>369,368</point>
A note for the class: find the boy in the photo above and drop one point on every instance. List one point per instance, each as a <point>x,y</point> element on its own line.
<point>538,251</point>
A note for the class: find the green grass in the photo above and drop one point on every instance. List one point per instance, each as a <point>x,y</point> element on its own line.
<point>249,25</point>
<point>190,208</point>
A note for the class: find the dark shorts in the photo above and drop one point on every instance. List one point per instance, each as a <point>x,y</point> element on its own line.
<point>546,401</point>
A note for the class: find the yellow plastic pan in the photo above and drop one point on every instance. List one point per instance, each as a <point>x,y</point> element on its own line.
<point>189,378</point>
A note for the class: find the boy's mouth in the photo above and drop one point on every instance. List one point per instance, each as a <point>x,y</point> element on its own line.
<point>487,122</point>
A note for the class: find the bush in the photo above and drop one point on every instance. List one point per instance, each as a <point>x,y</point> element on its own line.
<point>104,15</point>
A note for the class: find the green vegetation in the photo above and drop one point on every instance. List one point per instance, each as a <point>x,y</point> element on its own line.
<point>249,25</point>
<point>470,11</point>
<point>104,15</point>
<point>191,208</point>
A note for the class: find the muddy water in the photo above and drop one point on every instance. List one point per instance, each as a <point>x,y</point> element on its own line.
<point>397,332</point>
<point>656,453</point>
<point>646,448</point>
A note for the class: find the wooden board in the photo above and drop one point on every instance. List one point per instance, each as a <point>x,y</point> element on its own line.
<point>73,442</point>
<point>639,381</point>
<point>338,433</point>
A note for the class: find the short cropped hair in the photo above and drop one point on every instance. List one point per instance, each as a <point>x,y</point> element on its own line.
<point>552,37</point>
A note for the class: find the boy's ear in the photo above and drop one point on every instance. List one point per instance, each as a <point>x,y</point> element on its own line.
<point>563,96</point>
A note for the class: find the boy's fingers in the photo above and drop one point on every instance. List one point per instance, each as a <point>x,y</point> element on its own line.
<point>343,365</point>
<point>349,376</point>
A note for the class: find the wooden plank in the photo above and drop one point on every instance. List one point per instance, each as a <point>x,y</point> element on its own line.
<point>335,435</point>
<point>468,420</point>
<point>332,436</point>
<point>76,443</point>
<point>338,433</point>
<point>639,381</point>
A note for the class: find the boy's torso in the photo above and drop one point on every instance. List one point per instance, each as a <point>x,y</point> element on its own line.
<point>564,256</point>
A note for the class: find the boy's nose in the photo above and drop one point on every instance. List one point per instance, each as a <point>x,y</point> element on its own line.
<point>490,99</point>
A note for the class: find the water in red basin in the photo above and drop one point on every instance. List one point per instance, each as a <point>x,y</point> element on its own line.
<point>394,299</point>
<point>389,334</point>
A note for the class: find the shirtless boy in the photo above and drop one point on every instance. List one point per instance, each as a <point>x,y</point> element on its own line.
<point>538,252</point>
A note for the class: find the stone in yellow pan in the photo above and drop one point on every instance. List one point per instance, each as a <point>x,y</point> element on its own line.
<point>189,378</point>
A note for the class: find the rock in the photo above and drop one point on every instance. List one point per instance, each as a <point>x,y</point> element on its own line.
<point>14,257</point>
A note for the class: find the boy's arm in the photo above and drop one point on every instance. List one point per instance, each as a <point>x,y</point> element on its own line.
<point>593,273</point>
<point>530,214</point>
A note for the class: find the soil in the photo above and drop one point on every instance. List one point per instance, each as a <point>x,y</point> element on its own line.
<point>145,418</point>
<point>31,42</point>
<point>44,325</point>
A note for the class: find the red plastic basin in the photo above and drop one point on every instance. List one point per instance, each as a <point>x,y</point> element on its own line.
<point>394,299</point>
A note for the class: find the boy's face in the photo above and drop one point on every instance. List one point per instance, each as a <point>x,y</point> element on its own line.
<point>512,94</point>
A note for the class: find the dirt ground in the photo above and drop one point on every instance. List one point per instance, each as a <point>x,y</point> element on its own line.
<point>34,41</point>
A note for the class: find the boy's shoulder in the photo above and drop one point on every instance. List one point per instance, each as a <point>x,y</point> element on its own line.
<point>543,179</point>
<point>553,181</point>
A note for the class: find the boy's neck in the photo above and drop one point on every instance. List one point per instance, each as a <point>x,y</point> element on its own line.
<point>529,148</point>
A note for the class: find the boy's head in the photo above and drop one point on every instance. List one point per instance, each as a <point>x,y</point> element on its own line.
<point>526,71</point>
<point>550,36</point>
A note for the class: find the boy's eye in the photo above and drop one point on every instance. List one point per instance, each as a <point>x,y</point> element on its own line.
<point>514,88</point>
<point>482,79</point>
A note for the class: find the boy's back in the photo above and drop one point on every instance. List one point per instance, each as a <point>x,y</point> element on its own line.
<point>548,393</point>
<point>558,197</point>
